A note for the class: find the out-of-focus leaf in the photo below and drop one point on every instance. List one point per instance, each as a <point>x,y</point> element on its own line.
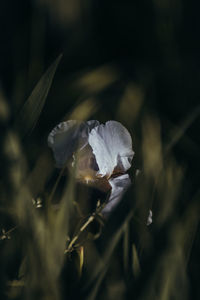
<point>179,132</point>
<point>23,268</point>
<point>126,247</point>
<point>135,261</point>
<point>4,109</point>
<point>32,108</point>
<point>14,289</point>
<point>190,225</point>
<point>101,268</point>
<point>80,259</point>
<point>97,284</point>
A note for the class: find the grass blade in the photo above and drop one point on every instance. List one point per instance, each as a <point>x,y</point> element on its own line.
<point>180,131</point>
<point>32,108</point>
<point>101,268</point>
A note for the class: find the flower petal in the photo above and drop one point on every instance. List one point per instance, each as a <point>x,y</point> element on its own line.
<point>67,136</point>
<point>150,218</point>
<point>112,146</point>
<point>88,126</point>
<point>119,186</point>
<point>63,140</point>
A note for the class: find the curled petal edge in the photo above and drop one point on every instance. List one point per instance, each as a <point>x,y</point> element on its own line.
<point>119,186</point>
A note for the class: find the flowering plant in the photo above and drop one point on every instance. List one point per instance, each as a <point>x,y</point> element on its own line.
<point>101,153</point>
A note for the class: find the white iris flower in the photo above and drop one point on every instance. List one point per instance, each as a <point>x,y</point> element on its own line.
<point>101,153</point>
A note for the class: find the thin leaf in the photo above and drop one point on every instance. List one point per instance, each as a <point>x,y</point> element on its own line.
<point>180,131</point>
<point>135,261</point>
<point>80,260</point>
<point>94,291</point>
<point>126,247</point>
<point>101,268</point>
<point>22,269</point>
<point>32,108</point>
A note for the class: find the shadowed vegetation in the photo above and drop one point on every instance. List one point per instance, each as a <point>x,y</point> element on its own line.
<point>120,61</point>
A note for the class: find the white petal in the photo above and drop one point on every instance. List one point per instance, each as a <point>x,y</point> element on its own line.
<point>67,136</point>
<point>63,140</point>
<point>112,146</point>
<point>150,219</point>
<point>89,125</point>
<point>119,186</point>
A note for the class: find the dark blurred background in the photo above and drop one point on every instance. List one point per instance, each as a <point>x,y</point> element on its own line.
<point>152,44</point>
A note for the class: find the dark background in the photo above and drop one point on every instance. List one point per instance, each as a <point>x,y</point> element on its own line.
<point>151,42</point>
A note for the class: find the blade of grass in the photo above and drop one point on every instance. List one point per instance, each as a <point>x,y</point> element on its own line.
<point>126,247</point>
<point>180,131</point>
<point>30,112</point>
<point>101,269</point>
<point>135,261</point>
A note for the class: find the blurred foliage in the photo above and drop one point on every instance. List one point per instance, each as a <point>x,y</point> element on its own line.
<point>133,61</point>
